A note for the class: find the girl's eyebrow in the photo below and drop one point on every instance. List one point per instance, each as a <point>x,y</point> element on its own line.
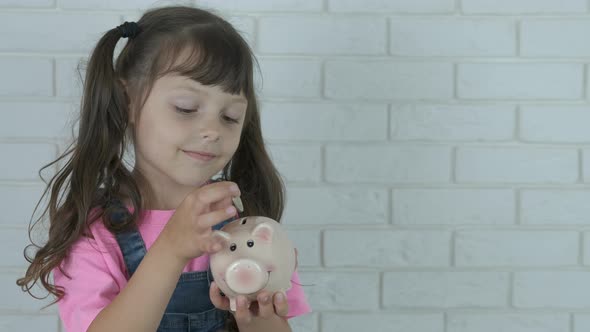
<point>200,91</point>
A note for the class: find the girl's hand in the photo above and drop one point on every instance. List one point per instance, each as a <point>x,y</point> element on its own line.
<point>188,232</point>
<point>268,306</point>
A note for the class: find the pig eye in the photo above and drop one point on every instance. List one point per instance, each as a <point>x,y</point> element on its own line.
<point>233,247</point>
<point>250,243</point>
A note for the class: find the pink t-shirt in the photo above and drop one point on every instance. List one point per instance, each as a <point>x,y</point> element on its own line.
<point>97,272</point>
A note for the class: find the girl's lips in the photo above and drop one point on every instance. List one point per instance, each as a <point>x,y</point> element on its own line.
<point>199,155</point>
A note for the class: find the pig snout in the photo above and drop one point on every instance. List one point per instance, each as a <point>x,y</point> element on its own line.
<point>246,276</point>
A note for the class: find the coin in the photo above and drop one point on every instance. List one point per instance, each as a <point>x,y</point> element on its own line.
<point>238,203</point>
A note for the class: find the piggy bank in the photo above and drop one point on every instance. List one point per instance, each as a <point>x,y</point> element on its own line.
<point>257,255</point>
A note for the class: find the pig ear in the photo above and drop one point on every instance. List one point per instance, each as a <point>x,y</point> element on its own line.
<point>221,237</point>
<point>263,232</point>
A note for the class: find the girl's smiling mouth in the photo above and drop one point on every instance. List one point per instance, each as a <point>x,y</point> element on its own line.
<point>204,156</point>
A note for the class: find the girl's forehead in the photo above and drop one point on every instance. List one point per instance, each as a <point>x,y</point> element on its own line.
<point>175,82</point>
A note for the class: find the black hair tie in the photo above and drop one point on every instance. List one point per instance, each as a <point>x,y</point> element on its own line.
<point>128,29</point>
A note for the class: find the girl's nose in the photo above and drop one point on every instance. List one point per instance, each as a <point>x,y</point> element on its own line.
<point>210,134</point>
<point>209,130</point>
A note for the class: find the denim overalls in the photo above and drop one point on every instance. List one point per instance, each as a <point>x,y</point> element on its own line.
<point>190,308</point>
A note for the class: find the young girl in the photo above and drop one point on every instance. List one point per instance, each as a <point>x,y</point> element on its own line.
<point>129,247</point>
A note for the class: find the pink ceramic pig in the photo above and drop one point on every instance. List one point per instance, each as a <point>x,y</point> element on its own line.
<point>257,255</point>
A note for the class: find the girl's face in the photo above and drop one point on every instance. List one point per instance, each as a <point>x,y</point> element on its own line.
<point>180,118</point>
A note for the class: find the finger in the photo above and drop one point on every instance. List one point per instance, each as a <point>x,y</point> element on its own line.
<point>280,304</point>
<point>220,302</point>
<point>265,306</point>
<point>254,309</point>
<point>212,193</point>
<point>208,220</point>
<point>222,204</point>
<point>242,312</point>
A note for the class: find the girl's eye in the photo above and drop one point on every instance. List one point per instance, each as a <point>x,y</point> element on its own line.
<point>184,110</point>
<point>228,119</point>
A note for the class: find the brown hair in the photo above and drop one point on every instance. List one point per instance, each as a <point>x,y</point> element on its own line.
<point>94,173</point>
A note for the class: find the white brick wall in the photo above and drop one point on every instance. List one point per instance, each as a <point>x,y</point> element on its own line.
<point>436,152</point>
<point>524,6</point>
<point>520,81</point>
<point>452,37</point>
<point>360,79</point>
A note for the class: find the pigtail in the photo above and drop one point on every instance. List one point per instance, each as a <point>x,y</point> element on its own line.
<point>103,131</point>
<point>91,161</point>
